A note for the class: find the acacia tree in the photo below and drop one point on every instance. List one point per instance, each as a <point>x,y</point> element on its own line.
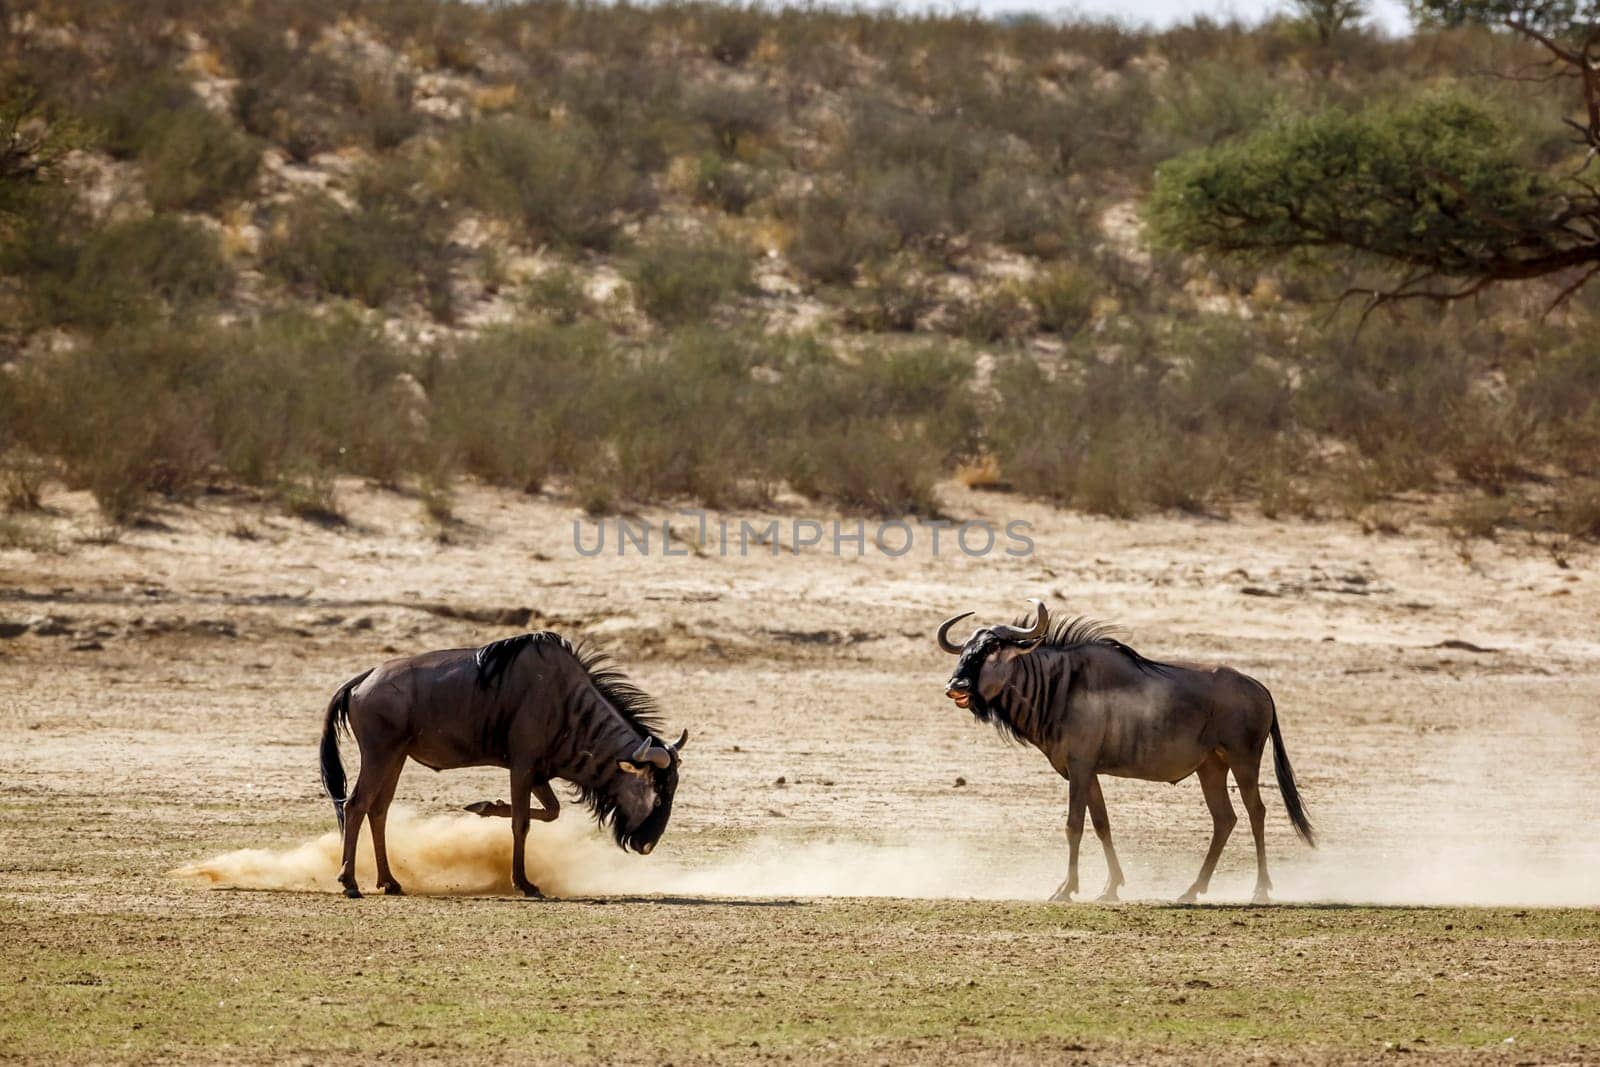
<point>1434,189</point>
<point>1328,17</point>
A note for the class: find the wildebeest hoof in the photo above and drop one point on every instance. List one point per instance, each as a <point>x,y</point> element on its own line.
<point>1188,898</point>
<point>1108,897</point>
<point>1063,895</point>
<point>532,892</point>
<point>393,889</point>
<point>352,892</point>
<point>490,809</point>
<point>1260,897</point>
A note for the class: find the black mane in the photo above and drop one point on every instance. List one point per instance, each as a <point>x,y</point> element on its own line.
<point>632,703</point>
<point>1075,633</point>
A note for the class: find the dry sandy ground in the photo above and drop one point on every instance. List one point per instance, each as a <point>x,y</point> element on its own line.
<point>160,698</point>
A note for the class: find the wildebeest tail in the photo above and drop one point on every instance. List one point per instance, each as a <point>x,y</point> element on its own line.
<point>1291,794</point>
<point>338,718</point>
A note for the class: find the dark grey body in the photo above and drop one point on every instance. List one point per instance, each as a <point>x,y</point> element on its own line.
<point>1094,706</point>
<point>532,705</point>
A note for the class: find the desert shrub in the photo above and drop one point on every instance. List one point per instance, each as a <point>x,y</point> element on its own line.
<point>734,114</point>
<point>288,94</point>
<point>731,32</point>
<point>194,160</point>
<point>129,115</point>
<point>999,312</point>
<point>633,109</point>
<point>557,182</point>
<point>560,295</point>
<point>1166,422</point>
<point>833,237</point>
<point>125,415</point>
<point>691,421</point>
<point>1388,391</point>
<point>1577,512</point>
<point>394,243</point>
<point>296,397</point>
<point>728,184</point>
<point>681,277</point>
<point>165,407</point>
<point>76,274</point>
<point>875,433</point>
<point>894,295</point>
<point>1063,297</point>
<point>520,404</point>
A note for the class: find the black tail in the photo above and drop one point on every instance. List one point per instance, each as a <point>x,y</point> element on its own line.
<point>338,718</point>
<point>1286,786</point>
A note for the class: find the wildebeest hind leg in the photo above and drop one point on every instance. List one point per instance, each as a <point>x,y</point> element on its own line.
<point>377,819</point>
<point>1246,772</point>
<point>1102,830</point>
<point>1213,775</point>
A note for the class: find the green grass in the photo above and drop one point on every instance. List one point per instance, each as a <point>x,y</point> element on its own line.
<point>245,976</point>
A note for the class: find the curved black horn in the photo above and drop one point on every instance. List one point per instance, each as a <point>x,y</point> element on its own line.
<point>1034,633</point>
<point>677,746</point>
<point>944,632</point>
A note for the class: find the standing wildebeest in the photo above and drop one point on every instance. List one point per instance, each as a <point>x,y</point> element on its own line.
<point>532,704</point>
<point>1095,706</point>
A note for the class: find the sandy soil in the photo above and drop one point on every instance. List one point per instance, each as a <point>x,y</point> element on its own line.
<point>160,698</point>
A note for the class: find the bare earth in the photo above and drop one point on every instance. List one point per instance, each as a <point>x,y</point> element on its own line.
<point>855,870</point>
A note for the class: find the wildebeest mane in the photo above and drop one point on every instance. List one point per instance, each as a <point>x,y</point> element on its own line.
<point>636,707</point>
<point>632,703</point>
<point>1074,633</point>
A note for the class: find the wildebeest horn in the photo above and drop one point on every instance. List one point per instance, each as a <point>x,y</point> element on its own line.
<point>944,631</point>
<point>641,753</point>
<point>677,746</point>
<point>659,756</point>
<point>1034,633</point>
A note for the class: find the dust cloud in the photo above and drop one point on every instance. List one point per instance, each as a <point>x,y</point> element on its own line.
<point>466,855</point>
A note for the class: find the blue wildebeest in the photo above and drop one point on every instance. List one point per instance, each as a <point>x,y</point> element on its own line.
<point>1094,706</point>
<point>533,704</point>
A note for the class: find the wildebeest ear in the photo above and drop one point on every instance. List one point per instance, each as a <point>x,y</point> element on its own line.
<point>629,767</point>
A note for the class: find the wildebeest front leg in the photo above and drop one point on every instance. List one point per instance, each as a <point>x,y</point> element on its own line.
<point>499,809</point>
<point>1213,775</point>
<point>1102,830</point>
<point>521,787</point>
<point>1077,800</point>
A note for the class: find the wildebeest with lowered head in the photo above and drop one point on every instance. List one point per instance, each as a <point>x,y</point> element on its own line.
<point>533,704</point>
<point>1094,706</point>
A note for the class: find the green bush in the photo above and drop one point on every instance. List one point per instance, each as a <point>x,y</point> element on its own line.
<point>681,277</point>
<point>894,295</point>
<point>1063,297</point>
<point>165,407</point>
<point>395,243</point>
<point>833,238</point>
<point>75,274</point>
<point>194,160</point>
<point>518,405</point>
<point>558,182</point>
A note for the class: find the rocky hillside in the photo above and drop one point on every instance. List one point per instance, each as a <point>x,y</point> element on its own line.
<point>703,251</point>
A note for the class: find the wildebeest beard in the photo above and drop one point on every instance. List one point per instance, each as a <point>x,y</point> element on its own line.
<point>968,667</point>
<point>648,832</point>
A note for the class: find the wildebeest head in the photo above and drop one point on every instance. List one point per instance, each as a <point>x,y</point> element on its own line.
<point>987,658</point>
<point>644,792</point>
